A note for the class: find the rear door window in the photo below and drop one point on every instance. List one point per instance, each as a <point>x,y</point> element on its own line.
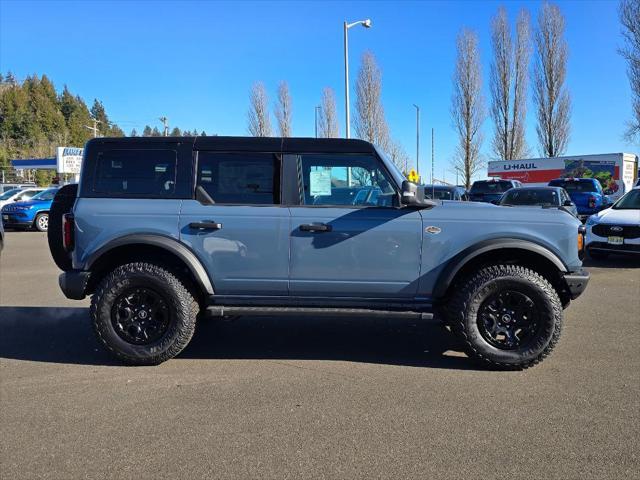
<point>244,178</point>
<point>136,173</point>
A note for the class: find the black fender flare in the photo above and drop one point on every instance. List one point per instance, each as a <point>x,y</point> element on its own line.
<point>456,263</point>
<point>172,245</point>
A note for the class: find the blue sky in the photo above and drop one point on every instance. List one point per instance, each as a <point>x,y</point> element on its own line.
<point>195,62</point>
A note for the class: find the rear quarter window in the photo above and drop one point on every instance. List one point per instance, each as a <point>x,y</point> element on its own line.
<point>136,173</point>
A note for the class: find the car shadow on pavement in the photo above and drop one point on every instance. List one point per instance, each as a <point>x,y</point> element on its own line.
<point>64,335</point>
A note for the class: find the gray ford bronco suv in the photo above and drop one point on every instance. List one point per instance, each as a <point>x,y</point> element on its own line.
<point>162,231</point>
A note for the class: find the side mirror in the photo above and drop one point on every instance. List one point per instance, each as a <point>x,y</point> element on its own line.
<point>413,194</point>
<point>567,203</point>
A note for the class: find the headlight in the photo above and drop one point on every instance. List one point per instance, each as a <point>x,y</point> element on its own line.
<point>592,220</point>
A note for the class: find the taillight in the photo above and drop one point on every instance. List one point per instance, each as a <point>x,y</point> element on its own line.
<point>592,202</point>
<point>68,230</point>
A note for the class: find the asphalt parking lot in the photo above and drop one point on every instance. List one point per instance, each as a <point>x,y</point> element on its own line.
<point>306,398</point>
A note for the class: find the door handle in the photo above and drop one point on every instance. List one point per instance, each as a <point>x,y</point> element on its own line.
<point>206,225</point>
<point>315,227</point>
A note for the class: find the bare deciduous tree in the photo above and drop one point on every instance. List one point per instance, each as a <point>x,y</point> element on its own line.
<point>630,19</point>
<point>328,119</point>
<point>283,110</point>
<point>509,85</point>
<point>550,95</point>
<point>258,114</point>
<point>369,122</point>
<point>398,155</point>
<point>467,105</point>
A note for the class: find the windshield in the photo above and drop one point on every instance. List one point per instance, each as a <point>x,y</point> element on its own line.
<point>483,186</point>
<point>521,196</point>
<point>438,193</point>
<point>45,194</point>
<point>631,201</point>
<point>9,193</point>
<point>582,185</point>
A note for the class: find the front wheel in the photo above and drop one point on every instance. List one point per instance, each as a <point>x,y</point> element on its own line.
<point>143,314</point>
<point>508,316</point>
<point>42,222</point>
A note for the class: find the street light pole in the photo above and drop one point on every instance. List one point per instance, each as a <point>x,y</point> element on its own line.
<point>366,24</point>
<point>417,138</point>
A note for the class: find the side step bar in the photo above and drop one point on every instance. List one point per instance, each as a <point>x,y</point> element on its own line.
<point>220,311</point>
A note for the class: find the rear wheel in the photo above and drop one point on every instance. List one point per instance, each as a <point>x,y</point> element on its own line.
<point>508,316</point>
<point>42,222</point>
<point>143,314</point>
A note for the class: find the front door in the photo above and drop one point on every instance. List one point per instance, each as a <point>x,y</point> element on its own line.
<point>242,238</point>
<point>348,236</point>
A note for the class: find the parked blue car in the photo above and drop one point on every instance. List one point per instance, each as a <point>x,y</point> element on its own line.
<point>33,213</point>
<point>586,193</point>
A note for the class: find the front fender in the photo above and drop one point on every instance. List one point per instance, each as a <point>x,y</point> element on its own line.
<point>456,263</point>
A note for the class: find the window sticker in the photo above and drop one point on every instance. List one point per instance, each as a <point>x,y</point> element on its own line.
<point>320,183</point>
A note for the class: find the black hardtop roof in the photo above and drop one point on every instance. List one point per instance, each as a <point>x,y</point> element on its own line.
<point>265,144</point>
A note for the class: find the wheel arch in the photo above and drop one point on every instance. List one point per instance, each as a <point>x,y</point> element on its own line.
<point>516,251</point>
<point>149,247</point>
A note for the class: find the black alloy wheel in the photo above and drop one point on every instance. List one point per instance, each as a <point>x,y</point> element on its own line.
<point>140,316</point>
<point>507,320</point>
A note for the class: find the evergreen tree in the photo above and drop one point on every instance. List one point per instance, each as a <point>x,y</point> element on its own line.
<point>155,132</point>
<point>147,131</point>
<point>133,133</point>
<point>175,132</point>
<point>203,133</point>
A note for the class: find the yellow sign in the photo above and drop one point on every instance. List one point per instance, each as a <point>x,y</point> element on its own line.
<point>413,176</point>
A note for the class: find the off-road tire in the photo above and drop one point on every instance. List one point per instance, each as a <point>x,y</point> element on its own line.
<point>469,297</point>
<point>39,222</point>
<point>181,302</point>
<point>62,203</point>
<point>595,255</point>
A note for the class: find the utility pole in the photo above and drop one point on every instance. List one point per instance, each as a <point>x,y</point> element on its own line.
<point>165,123</point>
<point>94,129</point>
<point>432,163</point>
<point>316,110</point>
<point>417,139</point>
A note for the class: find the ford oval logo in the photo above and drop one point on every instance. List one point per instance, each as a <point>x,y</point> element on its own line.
<point>616,229</point>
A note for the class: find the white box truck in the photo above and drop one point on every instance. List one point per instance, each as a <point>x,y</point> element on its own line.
<point>617,172</point>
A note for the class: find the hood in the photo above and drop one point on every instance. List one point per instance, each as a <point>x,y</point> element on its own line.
<point>620,217</point>
<point>28,203</point>
<point>487,212</point>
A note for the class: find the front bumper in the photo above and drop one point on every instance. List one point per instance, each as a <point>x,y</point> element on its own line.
<point>74,284</point>
<point>576,282</point>
<point>16,220</point>
<point>625,248</point>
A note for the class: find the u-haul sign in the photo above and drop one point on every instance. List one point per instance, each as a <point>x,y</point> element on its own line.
<point>610,169</point>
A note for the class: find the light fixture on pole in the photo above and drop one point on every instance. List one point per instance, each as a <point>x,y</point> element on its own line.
<point>366,24</point>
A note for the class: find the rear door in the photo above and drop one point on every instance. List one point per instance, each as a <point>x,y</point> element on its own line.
<point>242,238</point>
<point>348,236</point>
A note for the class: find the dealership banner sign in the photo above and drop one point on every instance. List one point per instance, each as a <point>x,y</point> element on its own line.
<point>69,159</point>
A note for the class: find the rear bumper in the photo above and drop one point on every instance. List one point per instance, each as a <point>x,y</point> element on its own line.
<point>576,282</point>
<point>73,284</point>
